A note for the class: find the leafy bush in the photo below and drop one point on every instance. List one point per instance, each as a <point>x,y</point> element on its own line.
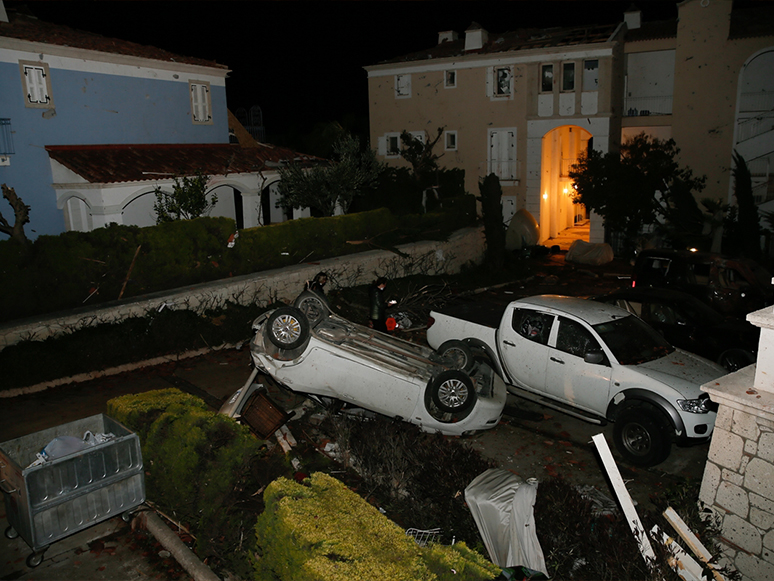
<point>321,531</point>
<point>196,463</point>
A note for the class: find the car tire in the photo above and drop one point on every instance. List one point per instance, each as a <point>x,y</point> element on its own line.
<point>735,359</point>
<point>452,391</point>
<point>459,353</point>
<point>287,328</point>
<point>641,436</point>
<point>313,306</point>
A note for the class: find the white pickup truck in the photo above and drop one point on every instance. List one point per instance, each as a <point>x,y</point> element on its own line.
<point>591,360</point>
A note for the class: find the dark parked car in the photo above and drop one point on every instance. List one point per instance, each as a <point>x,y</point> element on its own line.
<point>731,286</point>
<point>689,324</point>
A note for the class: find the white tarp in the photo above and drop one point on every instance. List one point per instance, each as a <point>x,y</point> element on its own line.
<point>502,506</point>
<point>582,252</point>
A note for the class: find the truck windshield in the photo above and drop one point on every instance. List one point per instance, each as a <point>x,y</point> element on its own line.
<point>633,341</point>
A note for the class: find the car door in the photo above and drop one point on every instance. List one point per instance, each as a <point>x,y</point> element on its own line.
<point>523,347</point>
<point>568,376</point>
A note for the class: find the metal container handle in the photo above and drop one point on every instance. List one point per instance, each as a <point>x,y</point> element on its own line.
<point>3,488</point>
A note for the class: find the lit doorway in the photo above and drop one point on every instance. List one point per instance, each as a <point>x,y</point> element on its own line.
<point>561,149</point>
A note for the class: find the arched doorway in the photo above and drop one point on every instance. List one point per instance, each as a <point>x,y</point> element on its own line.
<point>561,148</point>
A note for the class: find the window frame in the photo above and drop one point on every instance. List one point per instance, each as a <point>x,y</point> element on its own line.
<point>197,103</point>
<point>399,87</point>
<point>384,145</point>
<point>496,165</point>
<point>446,83</point>
<point>447,136</point>
<point>496,94</point>
<point>565,66</point>
<point>586,78</point>
<point>44,84</point>
<point>543,68</point>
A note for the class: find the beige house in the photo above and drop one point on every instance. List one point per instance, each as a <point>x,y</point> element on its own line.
<point>525,104</point>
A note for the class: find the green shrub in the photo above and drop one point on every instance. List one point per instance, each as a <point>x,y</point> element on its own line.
<point>196,462</point>
<point>322,531</point>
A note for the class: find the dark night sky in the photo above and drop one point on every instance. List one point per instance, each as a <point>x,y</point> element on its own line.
<point>301,62</point>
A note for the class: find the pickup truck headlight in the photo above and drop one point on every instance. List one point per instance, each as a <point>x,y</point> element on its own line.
<point>695,406</point>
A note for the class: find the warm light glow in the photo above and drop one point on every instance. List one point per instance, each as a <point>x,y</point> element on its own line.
<point>545,196</point>
<point>565,191</point>
<point>693,249</point>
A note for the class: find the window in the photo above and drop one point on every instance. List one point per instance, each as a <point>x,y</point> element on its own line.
<point>389,145</point>
<point>402,86</point>
<point>591,75</point>
<point>450,79</point>
<point>502,154</point>
<point>546,78</point>
<point>568,77</point>
<point>503,84</point>
<point>201,103</point>
<point>450,140</point>
<point>574,338</point>
<point>37,85</point>
<point>532,325</point>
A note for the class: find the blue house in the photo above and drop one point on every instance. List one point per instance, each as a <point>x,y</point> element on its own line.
<point>90,126</point>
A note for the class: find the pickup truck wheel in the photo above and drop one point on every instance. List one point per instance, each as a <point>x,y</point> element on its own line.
<point>313,306</point>
<point>452,391</point>
<point>641,437</point>
<point>287,327</point>
<point>458,353</point>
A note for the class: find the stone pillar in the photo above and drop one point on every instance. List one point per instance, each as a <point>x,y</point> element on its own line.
<point>738,482</point>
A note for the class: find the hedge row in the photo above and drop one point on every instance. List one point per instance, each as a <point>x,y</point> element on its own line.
<point>196,463</point>
<point>77,268</point>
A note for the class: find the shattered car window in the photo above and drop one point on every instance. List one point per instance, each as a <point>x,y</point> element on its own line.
<point>633,341</point>
<point>574,338</point>
<point>532,325</point>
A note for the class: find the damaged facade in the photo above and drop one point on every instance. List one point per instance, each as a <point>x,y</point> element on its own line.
<point>90,126</point>
<point>525,104</point>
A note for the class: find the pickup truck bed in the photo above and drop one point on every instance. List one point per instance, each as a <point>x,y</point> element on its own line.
<point>481,313</point>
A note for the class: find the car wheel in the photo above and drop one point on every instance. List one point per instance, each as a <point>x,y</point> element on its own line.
<point>452,391</point>
<point>287,327</point>
<point>735,359</point>
<point>458,353</point>
<point>313,306</point>
<point>641,437</point>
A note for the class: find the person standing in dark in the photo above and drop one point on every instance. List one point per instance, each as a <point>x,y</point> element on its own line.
<point>378,314</point>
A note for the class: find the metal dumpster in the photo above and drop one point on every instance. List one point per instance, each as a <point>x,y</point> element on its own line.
<point>53,500</point>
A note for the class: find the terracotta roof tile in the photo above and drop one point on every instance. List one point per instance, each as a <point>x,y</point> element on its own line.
<point>131,163</point>
<point>25,27</point>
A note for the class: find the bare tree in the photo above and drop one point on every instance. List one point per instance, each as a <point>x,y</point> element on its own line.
<point>21,213</point>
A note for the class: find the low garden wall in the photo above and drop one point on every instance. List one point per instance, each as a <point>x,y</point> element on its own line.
<point>428,257</point>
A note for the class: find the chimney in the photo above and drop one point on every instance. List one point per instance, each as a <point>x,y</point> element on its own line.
<point>447,36</point>
<point>475,37</point>
<point>633,17</point>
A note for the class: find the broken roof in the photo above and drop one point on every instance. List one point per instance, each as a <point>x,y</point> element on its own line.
<point>133,163</point>
<point>26,27</point>
<point>522,39</point>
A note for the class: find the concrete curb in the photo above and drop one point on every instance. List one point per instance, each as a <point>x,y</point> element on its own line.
<point>172,543</point>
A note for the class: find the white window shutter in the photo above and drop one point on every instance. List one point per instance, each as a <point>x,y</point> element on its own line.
<point>36,85</point>
<point>382,145</point>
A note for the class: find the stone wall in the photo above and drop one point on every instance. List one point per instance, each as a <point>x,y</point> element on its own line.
<point>738,482</point>
<point>428,257</point>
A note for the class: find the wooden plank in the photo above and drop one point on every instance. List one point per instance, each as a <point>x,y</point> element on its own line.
<point>681,562</point>
<point>691,540</point>
<point>635,524</point>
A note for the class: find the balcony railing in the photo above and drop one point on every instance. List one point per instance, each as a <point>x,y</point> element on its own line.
<point>754,126</point>
<point>644,106</point>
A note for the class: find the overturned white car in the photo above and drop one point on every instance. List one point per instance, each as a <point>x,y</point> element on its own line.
<point>310,350</point>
